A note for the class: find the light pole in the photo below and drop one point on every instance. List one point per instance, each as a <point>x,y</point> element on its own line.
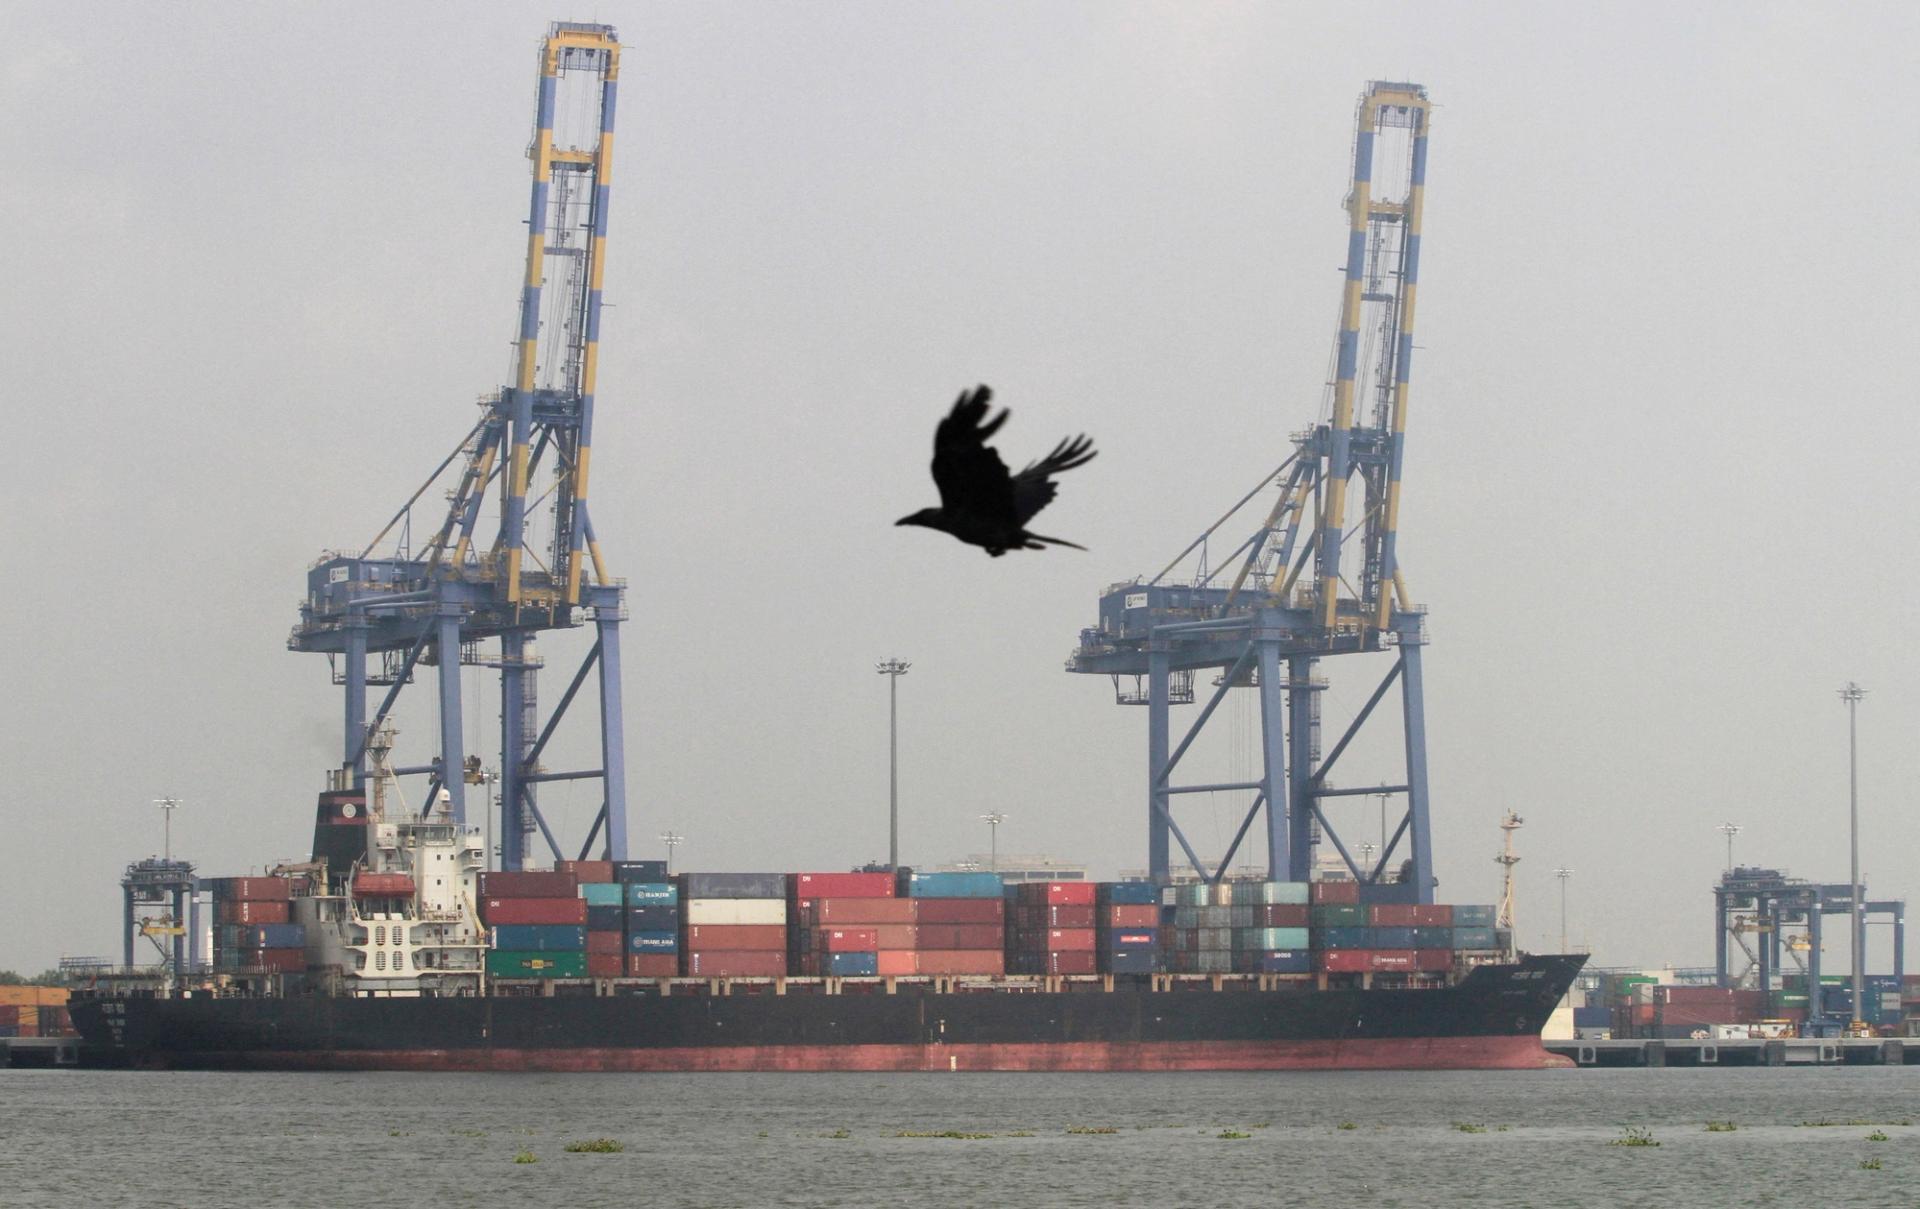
<point>893,669</point>
<point>672,840</point>
<point>167,806</point>
<point>1366,854</point>
<point>1729,830</point>
<point>1851,694</point>
<point>993,819</point>
<point>1563,873</point>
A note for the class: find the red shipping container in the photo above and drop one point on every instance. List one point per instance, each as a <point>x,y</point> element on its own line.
<point>9,1014</point>
<point>1342,893</point>
<point>652,965</point>
<point>1357,961</point>
<point>735,963</point>
<point>531,883</point>
<point>1140,916</point>
<point>1063,963</point>
<point>1283,915</point>
<point>1070,940</point>
<point>1433,961</point>
<point>895,962</point>
<point>961,910</point>
<point>585,872</point>
<point>606,942</point>
<point>846,940</point>
<point>841,885</point>
<point>897,936</point>
<point>960,961</point>
<point>533,911</point>
<point>246,911</point>
<point>959,936</point>
<point>1391,915</point>
<point>382,885</point>
<point>285,961</point>
<point>717,938</point>
<point>605,965</point>
<point>1071,893</point>
<point>258,889</point>
<point>1433,915</point>
<point>859,912</point>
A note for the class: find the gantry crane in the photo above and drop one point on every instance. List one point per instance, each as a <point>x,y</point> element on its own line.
<point>459,597</point>
<point>1291,603</point>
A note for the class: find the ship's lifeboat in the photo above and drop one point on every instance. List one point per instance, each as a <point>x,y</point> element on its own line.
<point>383,885</point>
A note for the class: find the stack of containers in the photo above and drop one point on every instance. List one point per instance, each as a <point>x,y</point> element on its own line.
<point>733,925</point>
<point>1127,916</point>
<point>1270,927</point>
<point>1050,928</point>
<point>652,921</point>
<point>251,928</point>
<point>606,899</point>
<point>1473,927</point>
<point>959,922</point>
<point>846,925</point>
<point>1199,938</point>
<point>536,922</point>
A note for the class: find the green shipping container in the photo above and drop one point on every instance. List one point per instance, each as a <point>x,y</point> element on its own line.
<point>604,894</point>
<point>1269,939</point>
<point>521,963</point>
<point>1339,915</point>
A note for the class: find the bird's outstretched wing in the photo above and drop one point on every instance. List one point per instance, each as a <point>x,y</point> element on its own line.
<point>971,477</point>
<point>1034,488</point>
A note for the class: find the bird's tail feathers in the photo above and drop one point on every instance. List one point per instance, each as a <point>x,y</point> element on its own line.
<point>1036,542</point>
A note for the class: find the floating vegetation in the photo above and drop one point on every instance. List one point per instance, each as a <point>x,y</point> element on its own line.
<point>1021,1133</point>
<point>526,1156</point>
<point>399,1133</point>
<point>1823,1123</point>
<point>840,1134</point>
<point>1869,1164</point>
<point>1469,1127</point>
<point>1260,1125</point>
<point>942,1133</point>
<point>1233,1135</point>
<point>1721,1127</point>
<point>1346,1125</point>
<point>469,1133</point>
<point>1877,1136</point>
<point>595,1146</point>
<point>1634,1135</point>
<point>761,1134</point>
<point>1091,1129</point>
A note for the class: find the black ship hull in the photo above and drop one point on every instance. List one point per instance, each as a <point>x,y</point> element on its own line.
<point>1490,1019</point>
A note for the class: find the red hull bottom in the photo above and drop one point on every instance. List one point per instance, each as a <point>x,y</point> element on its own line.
<point>1422,1053</point>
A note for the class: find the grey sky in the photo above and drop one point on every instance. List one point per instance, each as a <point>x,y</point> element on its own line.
<point>1659,483</point>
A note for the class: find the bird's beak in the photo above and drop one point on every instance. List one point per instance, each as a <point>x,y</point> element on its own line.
<point>905,520</point>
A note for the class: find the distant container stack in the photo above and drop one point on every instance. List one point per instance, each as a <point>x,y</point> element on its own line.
<point>846,925</point>
<point>733,925</point>
<point>251,929</point>
<point>651,919</point>
<point>606,927</point>
<point>536,924</point>
<point>1127,918</point>
<point>959,923</point>
<point>1239,927</point>
<point>1051,928</point>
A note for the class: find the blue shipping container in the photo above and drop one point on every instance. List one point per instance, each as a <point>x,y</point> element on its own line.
<point>1473,917</point>
<point>1252,939</point>
<point>653,942</point>
<point>1131,961</point>
<point>1130,894</point>
<point>644,894</point>
<point>1364,938</point>
<point>853,965</point>
<point>274,936</point>
<point>660,917</point>
<point>540,938</point>
<point>639,871</point>
<point>604,894</point>
<point>954,885</point>
<point>1297,961</point>
<point>1473,938</point>
<point>606,919</point>
<point>1433,938</point>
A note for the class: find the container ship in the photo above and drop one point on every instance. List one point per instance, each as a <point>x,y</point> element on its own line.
<point>393,948</point>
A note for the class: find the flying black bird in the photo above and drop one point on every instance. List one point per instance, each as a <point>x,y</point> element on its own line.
<point>980,503</point>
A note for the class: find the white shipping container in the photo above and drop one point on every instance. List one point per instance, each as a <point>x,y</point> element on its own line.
<point>734,911</point>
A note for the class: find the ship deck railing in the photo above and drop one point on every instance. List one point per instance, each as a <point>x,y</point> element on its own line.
<point>955,984</point>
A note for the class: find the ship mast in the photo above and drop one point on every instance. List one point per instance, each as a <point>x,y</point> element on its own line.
<point>1507,860</point>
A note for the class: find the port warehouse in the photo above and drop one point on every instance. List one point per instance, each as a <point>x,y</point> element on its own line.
<point>590,921</point>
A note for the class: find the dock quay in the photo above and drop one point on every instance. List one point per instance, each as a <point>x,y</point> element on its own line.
<point>1790,1051</point>
<point>39,1051</point>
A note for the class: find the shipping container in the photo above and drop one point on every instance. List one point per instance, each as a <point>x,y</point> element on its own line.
<point>606,965</point>
<point>952,885</point>
<point>382,885</point>
<point>1293,961</point>
<point>530,883</point>
<point>652,965</point>
<point>1130,916</point>
<point>1056,962</point>
<point>898,936</point>
<point>1129,894</point>
<point>896,962</point>
<point>842,885</point>
<point>1390,915</point>
<point>845,940</point>
<point>763,912</point>
<point>735,937</point>
<point>1201,961</point>
<point>1040,915</point>
<point>1346,893</point>
<point>273,936</point>
<point>734,963</point>
<point>614,943</point>
<point>1272,893</point>
<point>1474,938</point>
<point>1270,938</point>
<point>1339,915</point>
<point>279,960</point>
<point>604,894</point>
<point>652,894</point>
<point>856,912</point>
<point>1432,938</point>
<point>650,941</point>
<point>960,910</point>
<point>606,919</point>
<point>1432,915</point>
<point>258,889</point>
<point>962,961</point>
<point>852,965</point>
<point>1130,938</point>
<point>539,938</point>
<point>1069,940</point>
<point>1433,961</point>
<point>1282,915</point>
<point>513,963</point>
<point>663,917</point>
<point>1473,916</point>
<point>1188,894</point>
<point>958,936</point>
<point>1129,961</point>
<point>639,871</point>
<point>534,911</point>
<point>733,885</point>
<point>1348,961</point>
<point>252,911</point>
<point>586,872</point>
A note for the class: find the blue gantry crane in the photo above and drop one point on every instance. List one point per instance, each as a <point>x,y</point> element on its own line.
<point>1304,586</point>
<point>460,597</point>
